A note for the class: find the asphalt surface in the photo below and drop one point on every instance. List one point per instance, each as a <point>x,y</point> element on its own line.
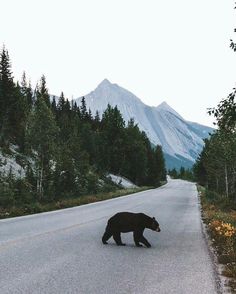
<point>61,251</point>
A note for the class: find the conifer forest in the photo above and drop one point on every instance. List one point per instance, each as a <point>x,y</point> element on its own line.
<point>63,150</point>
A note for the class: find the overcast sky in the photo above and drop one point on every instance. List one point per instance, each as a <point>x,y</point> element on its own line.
<point>161,50</point>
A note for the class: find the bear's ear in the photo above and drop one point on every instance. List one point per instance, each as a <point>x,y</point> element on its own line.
<point>153,218</point>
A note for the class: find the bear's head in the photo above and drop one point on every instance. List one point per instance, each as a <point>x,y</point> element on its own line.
<point>155,225</point>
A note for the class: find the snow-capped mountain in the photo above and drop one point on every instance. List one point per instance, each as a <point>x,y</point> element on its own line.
<point>181,140</point>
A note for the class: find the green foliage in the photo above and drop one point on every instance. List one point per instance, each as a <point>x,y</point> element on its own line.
<point>216,166</point>
<point>41,137</point>
<point>232,43</point>
<point>7,198</point>
<point>14,191</point>
<point>112,138</point>
<point>173,173</point>
<point>225,113</point>
<point>7,99</point>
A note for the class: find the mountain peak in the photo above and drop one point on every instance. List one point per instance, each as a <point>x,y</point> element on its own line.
<point>105,82</point>
<point>164,103</point>
<point>166,107</point>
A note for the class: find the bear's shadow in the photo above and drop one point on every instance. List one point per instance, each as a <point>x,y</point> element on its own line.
<point>128,244</point>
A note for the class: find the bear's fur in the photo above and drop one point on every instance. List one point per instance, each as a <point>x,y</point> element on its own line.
<point>124,222</point>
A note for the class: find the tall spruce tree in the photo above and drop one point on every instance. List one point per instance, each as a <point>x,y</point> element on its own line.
<point>7,90</point>
<point>113,136</point>
<point>160,164</point>
<point>27,92</point>
<point>83,109</point>
<point>42,91</point>
<point>135,154</point>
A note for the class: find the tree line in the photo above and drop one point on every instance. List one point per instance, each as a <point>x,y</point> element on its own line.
<point>65,151</point>
<point>182,173</point>
<point>215,168</point>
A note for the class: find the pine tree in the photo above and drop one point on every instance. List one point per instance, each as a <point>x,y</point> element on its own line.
<point>113,136</point>
<point>157,172</point>
<point>14,106</point>
<point>83,109</point>
<point>27,92</point>
<point>61,102</point>
<point>7,90</point>
<point>135,154</point>
<point>23,106</point>
<point>54,106</point>
<point>42,91</point>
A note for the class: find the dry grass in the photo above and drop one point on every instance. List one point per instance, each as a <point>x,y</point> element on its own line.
<point>37,207</point>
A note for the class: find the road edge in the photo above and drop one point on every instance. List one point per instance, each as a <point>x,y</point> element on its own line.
<point>220,287</point>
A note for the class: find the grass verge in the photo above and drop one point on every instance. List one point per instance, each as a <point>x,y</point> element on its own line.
<point>38,207</point>
<point>219,214</point>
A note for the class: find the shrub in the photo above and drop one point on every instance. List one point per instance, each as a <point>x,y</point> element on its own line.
<point>7,198</point>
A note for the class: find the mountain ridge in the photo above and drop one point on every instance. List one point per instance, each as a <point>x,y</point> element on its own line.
<point>180,139</point>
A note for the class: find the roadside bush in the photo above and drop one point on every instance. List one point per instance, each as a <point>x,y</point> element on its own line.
<point>220,201</point>
<point>211,195</point>
<point>92,183</point>
<point>7,198</point>
<point>220,217</point>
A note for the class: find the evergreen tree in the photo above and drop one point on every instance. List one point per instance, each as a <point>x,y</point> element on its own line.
<point>182,172</point>
<point>160,165</point>
<point>96,122</point>
<point>42,91</point>
<point>27,92</point>
<point>173,173</point>
<point>7,90</point>
<point>113,135</point>
<point>14,106</point>
<point>19,118</point>
<point>61,102</point>
<point>97,117</point>
<point>23,105</point>
<point>83,109</point>
<point>135,154</point>
<point>54,106</point>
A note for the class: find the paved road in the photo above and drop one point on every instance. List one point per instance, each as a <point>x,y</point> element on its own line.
<point>61,252</point>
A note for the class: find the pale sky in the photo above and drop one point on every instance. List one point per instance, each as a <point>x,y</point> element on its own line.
<point>161,50</point>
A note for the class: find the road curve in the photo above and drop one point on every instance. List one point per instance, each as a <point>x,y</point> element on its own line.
<point>61,251</point>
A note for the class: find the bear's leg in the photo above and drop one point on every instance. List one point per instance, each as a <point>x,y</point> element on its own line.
<point>145,241</point>
<point>117,238</point>
<point>137,236</point>
<point>107,235</point>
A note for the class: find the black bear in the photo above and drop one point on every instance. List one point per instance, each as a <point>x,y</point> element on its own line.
<point>124,222</point>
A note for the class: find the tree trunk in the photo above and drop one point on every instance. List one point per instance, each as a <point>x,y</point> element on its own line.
<point>226,181</point>
<point>40,179</point>
<point>217,184</point>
